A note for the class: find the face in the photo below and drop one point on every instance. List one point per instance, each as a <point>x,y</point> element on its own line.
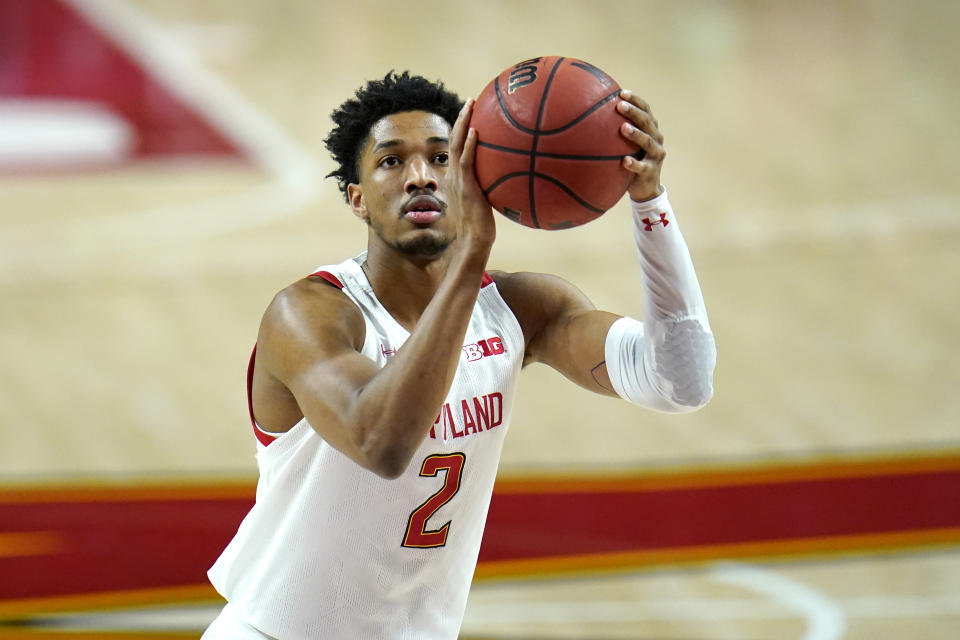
<point>403,165</point>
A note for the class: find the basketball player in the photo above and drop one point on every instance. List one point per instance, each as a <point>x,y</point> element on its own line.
<point>381,387</point>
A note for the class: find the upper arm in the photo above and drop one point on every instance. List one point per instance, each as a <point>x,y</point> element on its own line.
<point>561,326</point>
<point>309,346</point>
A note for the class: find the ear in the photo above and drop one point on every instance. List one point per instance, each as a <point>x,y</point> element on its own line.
<point>357,202</point>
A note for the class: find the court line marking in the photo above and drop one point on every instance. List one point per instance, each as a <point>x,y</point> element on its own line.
<point>641,609</point>
<point>714,609</point>
<point>293,173</point>
<point>824,618</point>
<point>296,183</point>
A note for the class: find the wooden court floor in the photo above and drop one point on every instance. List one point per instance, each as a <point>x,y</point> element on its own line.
<point>811,162</point>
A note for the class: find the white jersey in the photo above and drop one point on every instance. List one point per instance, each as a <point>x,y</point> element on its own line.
<point>330,549</point>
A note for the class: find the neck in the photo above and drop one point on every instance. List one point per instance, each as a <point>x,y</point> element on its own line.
<point>404,284</point>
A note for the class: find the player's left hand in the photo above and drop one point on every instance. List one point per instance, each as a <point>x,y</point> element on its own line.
<point>643,131</point>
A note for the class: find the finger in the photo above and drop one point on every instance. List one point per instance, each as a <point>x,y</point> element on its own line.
<point>632,164</point>
<point>641,119</point>
<point>651,146</point>
<point>636,100</point>
<point>641,104</point>
<point>459,133</point>
<point>641,167</point>
<point>469,149</point>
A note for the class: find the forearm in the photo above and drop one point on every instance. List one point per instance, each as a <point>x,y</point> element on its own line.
<point>667,362</point>
<point>671,290</point>
<point>393,412</point>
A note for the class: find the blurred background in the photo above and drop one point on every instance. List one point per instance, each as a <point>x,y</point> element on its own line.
<point>161,178</point>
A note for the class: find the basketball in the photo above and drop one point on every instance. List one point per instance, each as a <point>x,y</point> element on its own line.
<point>549,148</point>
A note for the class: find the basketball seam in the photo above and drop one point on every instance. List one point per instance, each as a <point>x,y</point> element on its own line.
<point>536,137</point>
<point>583,115</point>
<point>559,156</point>
<point>509,116</point>
<point>504,178</point>
<point>534,174</point>
<point>589,68</point>
<point>583,203</point>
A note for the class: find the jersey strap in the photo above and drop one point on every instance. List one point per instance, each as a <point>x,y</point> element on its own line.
<point>329,277</point>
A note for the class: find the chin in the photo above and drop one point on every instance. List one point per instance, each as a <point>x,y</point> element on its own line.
<point>424,246</point>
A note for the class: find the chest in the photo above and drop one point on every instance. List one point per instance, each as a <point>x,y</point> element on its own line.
<point>481,393</point>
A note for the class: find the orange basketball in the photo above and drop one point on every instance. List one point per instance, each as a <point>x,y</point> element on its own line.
<point>549,148</point>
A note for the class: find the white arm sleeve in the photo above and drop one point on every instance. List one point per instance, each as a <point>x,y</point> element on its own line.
<point>666,362</point>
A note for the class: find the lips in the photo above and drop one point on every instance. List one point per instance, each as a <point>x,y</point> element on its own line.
<point>423,209</point>
<point>422,217</point>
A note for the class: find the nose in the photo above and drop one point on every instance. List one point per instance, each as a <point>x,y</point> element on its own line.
<point>419,176</point>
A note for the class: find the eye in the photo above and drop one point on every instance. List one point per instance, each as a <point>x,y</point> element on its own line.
<point>389,161</point>
<point>442,158</point>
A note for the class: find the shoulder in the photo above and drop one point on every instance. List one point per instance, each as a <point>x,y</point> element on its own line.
<point>537,299</point>
<point>309,310</point>
<point>527,287</point>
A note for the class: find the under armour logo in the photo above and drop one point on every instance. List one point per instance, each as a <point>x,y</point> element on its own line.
<point>648,223</point>
<point>387,352</point>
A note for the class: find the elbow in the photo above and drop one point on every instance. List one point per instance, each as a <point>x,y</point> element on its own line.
<point>688,385</point>
<point>376,448</point>
<point>389,460</point>
<point>390,467</point>
<point>692,399</point>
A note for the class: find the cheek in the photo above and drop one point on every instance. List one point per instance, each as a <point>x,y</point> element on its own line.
<point>384,187</point>
<point>379,200</point>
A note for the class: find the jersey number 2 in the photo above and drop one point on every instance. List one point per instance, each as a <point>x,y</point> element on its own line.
<point>417,536</point>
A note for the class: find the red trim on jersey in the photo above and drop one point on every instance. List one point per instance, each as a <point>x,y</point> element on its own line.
<point>486,280</point>
<point>264,437</point>
<point>329,277</point>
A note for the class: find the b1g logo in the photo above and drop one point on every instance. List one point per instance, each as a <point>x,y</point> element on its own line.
<point>483,348</point>
<point>523,73</point>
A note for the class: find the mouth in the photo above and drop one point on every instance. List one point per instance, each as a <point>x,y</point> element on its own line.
<point>423,209</point>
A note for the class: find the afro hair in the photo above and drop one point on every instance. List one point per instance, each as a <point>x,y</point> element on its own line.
<point>375,100</point>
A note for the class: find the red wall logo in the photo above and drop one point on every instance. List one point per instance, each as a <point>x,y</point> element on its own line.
<point>483,348</point>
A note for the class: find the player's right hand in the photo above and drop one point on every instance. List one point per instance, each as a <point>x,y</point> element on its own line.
<point>477,227</point>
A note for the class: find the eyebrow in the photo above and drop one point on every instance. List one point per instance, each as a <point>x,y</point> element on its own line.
<point>386,144</point>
